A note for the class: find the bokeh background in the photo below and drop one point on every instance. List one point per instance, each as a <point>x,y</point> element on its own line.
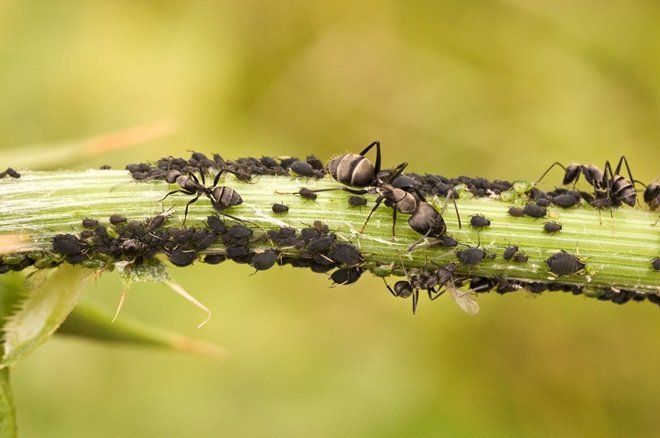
<point>494,88</point>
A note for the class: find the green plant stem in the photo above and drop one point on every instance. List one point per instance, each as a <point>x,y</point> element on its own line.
<point>617,250</point>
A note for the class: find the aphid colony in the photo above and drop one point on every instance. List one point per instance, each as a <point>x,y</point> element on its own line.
<point>319,249</point>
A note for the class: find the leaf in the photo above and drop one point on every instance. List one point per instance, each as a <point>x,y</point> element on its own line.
<point>7,408</point>
<point>11,291</point>
<point>92,321</point>
<point>47,304</point>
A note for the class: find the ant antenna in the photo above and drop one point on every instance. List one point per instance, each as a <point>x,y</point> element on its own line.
<point>556,163</point>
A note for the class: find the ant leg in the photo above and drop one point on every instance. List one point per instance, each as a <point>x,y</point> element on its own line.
<point>397,171</point>
<point>176,191</point>
<point>394,223</point>
<point>415,300</point>
<point>450,193</point>
<point>624,160</point>
<point>378,202</point>
<point>437,294</point>
<point>556,163</point>
<point>389,288</point>
<point>185,214</point>
<point>368,148</point>
<point>217,178</point>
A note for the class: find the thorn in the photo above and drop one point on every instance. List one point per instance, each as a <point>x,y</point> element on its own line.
<point>122,299</point>
<point>178,289</point>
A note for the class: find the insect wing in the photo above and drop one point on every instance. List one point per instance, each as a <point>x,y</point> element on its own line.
<point>465,300</point>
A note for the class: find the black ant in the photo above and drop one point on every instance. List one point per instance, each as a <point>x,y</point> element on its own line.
<point>222,197</point>
<point>610,188</point>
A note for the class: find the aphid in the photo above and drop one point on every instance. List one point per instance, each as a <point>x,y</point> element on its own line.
<point>214,259</point>
<point>516,211</point>
<point>566,200</point>
<point>534,210</point>
<point>551,227</point>
<point>67,244</point>
<point>182,256</point>
<point>221,197</point>
<point>520,258</point>
<point>302,168</point>
<point>89,223</point>
<point>543,202</point>
<point>264,260</point>
<point>357,201</point>
<point>307,194</point>
<point>315,162</point>
<point>237,252</point>
<point>105,167</point>
<point>355,169</point>
<point>156,222</point>
<point>471,256</point>
<point>345,253</point>
<point>509,252</point>
<point>216,224</point>
<point>562,263</point>
<point>279,208</point>
<point>479,221</point>
<point>321,244</point>
<point>117,219</point>
<point>346,276</point>
<point>656,263</point>
<point>11,172</point>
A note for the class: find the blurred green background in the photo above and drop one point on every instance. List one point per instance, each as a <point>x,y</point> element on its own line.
<point>494,88</point>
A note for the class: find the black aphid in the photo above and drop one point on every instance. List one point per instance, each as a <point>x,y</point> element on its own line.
<point>563,263</point>
<point>516,211</point>
<point>346,276</point>
<point>264,260</point>
<point>216,224</point>
<point>315,162</point>
<point>357,201</point>
<point>509,252</point>
<point>279,208</point>
<point>355,169</point>
<point>156,222</point>
<point>302,168</point>
<point>552,227</point>
<point>214,259</point>
<point>237,252</point>
<point>520,258</point>
<point>11,172</point>
<point>67,244</point>
<point>471,256</point>
<point>117,219</point>
<point>183,255</point>
<point>543,202</point>
<point>345,253</point>
<point>307,194</point>
<point>566,200</point>
<point>89,223</point>
<point>479,221</point>
<point>534,210</point>
<point>105,167</point>
<point>321,244</point>
<point>656,263</point>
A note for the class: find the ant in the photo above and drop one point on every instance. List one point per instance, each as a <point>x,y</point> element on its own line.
<point>610,188</point>
<point>398,192</point>
<point>222,197</point>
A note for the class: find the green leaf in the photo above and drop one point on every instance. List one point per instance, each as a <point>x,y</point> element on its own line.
<point>92,321</point>
<point>50,298</point>
<point>7,409</point>
<point>11,291</point>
